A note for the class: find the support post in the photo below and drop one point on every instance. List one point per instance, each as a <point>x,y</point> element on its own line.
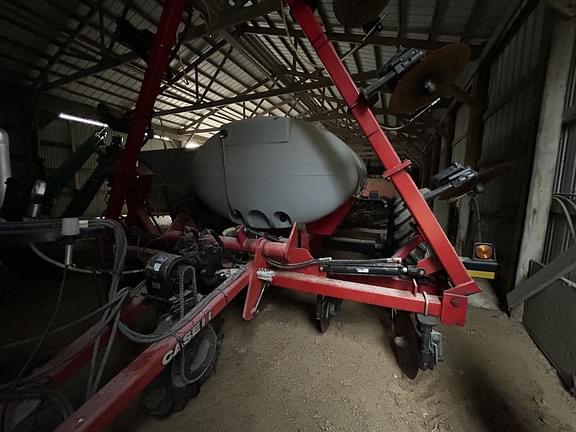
<point>157,64</point>
<point>547,145</point>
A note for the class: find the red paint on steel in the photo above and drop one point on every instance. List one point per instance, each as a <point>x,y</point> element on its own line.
<point>99,412</point>
<point>255,286</point>
<point>72,358</point>
<point>328,224</point>
<point>453,309</point>
<point>136,199</point>
<point>390,282</point>
<point>406,187</point>
<point>405,250</point>
<point>392,171</point>
<point>157,64</point>
<point>271,249</point>
<point>431,265</point>
<point>363,293</point>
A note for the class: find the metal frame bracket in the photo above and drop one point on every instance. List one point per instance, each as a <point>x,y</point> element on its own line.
<point>396,169</point>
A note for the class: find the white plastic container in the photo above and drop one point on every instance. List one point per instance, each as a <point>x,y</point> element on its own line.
<point>272,172</point>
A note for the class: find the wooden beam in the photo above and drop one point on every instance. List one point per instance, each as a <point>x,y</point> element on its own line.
<point>439,14</point>
<point>403,6</point>
<point>352,38</point>
<point>559,267</point>
<point>254,86</point>
<point>290,89</point>
<point>199,59</point>
<point>293,89</point>
<point>547,145</point>
<point>101,67</point>
<point>474,19</point>
<point>225,20</point>
<point>56,105</point>
<point>232,18</point>
<point>515,11</point>
<point>69,40</point>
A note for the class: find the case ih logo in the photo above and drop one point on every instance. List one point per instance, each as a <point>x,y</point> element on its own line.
<point>186,339</point>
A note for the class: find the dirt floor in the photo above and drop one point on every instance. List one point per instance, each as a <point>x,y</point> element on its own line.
<point>279,374</point>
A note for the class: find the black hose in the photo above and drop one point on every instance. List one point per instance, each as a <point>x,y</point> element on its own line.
<point>63,327</point>
<point>41,341</point>
<point>121,246</point>
<point>292,266</point>
<point>115,308</point>
<point>216,237</point>
<point>318,261</point>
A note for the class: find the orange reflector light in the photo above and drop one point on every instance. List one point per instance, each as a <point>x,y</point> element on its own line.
<point>483,251</point>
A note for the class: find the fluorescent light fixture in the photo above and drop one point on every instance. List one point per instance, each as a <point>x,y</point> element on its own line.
<point>163,138</point>
<point>192,145</point>
<point>84,120</point>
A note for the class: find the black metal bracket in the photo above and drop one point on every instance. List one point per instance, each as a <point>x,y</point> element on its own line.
<point>391,72</point>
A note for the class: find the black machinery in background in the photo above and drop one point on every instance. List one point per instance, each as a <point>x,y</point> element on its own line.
<point>20,202</point>
<point>171,284</point>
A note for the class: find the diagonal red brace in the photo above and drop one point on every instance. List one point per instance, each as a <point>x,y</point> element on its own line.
<point>404,184</point>
<point>395,170</point>
<point>157,65</point>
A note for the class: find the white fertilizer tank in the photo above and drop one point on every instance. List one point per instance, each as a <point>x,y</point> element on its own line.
<point>271,172</point>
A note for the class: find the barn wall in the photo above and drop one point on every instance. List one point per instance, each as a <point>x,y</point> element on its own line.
<point>549,316</point>
<point>510,120</point>
<point>461,208</point>
<point>57,142</point>
<point>558,235</point>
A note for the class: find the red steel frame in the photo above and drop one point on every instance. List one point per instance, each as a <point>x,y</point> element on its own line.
<point>441,296</point>
<point>99,412</point>
<point>157,65</point>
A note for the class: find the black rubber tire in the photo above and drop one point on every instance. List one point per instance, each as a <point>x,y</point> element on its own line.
<point>404,230</point>
<point>162,397</point>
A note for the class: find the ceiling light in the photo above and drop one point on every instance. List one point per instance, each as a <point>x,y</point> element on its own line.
<point>163,138</point>
<point>84,120</point>
<point>192,145</point>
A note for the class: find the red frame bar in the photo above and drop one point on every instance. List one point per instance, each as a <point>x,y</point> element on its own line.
<point>431,230</point>
<point>99,412</point>
<point>359,292</point>
<point>430,297</point>
<point>271,249</point>
<point>157,65</point>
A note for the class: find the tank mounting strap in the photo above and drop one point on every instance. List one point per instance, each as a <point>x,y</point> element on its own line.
<point>396,169</point>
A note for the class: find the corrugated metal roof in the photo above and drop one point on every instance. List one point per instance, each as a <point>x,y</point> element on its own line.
<point>74,36</point>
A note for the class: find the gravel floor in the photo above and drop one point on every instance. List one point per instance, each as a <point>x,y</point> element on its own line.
<point>279,374</point>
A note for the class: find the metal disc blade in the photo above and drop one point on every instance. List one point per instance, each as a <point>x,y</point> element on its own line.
<point>358,12</point>
<point>405,344</point>
<point>442,67</point>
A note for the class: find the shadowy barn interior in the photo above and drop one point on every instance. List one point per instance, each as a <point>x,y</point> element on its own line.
<point>288,215</point>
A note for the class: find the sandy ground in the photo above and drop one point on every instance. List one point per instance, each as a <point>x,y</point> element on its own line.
<point>279,374</point>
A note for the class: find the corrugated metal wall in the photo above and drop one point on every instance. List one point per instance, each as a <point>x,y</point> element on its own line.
<point>80,133</point>
<point>57,142</point>
<point>549,316</point>
<point>457,230</point>
<point>54,147</point>
<point>558,236</point>
<point>510,124</point>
